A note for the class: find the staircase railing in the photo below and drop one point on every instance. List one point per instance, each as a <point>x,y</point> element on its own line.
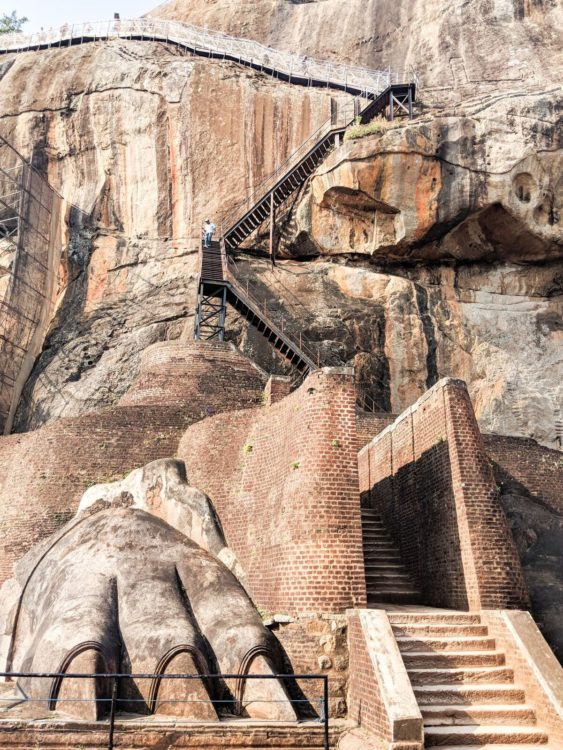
<point>284,325</point>
<point>263,189</point>
<point>297,68</point>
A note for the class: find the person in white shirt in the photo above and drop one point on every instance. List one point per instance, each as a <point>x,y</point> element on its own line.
<point>208,231</point>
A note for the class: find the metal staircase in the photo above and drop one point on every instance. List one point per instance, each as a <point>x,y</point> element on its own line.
<point>261,205</point>
<point>218,284</point>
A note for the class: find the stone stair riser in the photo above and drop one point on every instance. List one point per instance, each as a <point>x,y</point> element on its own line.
<point>446,644</point>
<point>466,676</point>
<point>453,659</point>
<point>467,695</point>
<point>475,715</point>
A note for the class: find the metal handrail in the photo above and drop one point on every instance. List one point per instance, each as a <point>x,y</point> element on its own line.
<point>260,193</point>
<point>302,347</point>
<point>297,68</point>
<point>116,676</point>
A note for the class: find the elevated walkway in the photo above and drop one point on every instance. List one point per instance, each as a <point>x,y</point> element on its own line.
<point>203,42</point>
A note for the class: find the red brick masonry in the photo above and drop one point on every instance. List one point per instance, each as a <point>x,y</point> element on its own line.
<point>284,480</point>
<point>44,473</point>
<point>525,462</point>
<point>431,480</point>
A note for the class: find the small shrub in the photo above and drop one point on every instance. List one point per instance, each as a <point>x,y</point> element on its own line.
<point>247,448</point>
<point>378,126</point>
<point>335,443</point>
<point>295,465</point>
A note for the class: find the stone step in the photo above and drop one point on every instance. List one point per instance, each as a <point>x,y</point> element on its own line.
<point>390,586</point>
<point>483,735</point>
<point>428,659</point>
<point>434,618</point>
<point>384,557</point>
<point>382,549</point>
<point>385,567</point>
<point>387,576</point>
<point>467,695</point>
<point>393,597</point>
<point>449,643</point>
<point>444,631</point>
<point>509,715</point>
<point>466,675</point>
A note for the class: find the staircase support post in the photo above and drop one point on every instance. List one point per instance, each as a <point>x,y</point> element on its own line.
<point>272,221</point>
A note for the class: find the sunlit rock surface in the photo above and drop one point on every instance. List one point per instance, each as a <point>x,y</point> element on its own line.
<point>457,48</point>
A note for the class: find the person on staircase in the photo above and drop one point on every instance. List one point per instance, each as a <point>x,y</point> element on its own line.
<point>208,231</point>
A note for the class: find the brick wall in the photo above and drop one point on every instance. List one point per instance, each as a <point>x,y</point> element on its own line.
<point>535,667</point>
<point>371,423</point>
<point>365,702</point>
<point>522,461</point>
<point>211,376</point>
<point>316,644</point>
<point>284,481</point>
<point>429,477</point>
<point>44,473</point>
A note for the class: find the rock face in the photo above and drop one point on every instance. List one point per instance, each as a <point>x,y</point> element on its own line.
<point>538,532</point>
<point>143,142</point>
<point>482,185</point>
<point>85,599</point>
<point>455,46</point>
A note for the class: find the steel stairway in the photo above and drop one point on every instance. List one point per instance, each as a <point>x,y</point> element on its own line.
<point>218,284</point>
<point>292,175</point>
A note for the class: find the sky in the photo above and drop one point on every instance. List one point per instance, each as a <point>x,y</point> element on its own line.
<point>57,12</point>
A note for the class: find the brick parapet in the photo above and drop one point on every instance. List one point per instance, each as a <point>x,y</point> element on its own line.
<point>284,481</point>
<point>371,423</point>
<point>429,477</point>
<point>212,374</point>
<point>380,695</point>
<point>277,387</point>
<point>523,462</point>
<point>535,667</point>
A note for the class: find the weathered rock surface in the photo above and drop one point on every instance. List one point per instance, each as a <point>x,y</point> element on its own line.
<point>456,47</point>
<point>143,141</point>
<point>495,325</point>
<point>538,532</point>
<point>484,184</point>
<point>161,488</point>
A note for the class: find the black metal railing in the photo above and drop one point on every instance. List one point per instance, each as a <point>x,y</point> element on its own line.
<point>112,698</point>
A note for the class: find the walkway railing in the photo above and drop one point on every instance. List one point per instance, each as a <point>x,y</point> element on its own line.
<point>343,119</point>
<point>202,41</point>
<point>109,700</point>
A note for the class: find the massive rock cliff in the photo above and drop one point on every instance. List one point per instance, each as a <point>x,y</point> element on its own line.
<point>433,250</point>
<point>142,141</point>
<point>456,47</point>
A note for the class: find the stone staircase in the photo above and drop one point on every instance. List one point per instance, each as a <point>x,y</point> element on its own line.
<point>464,688</point>
<point>387,579</point>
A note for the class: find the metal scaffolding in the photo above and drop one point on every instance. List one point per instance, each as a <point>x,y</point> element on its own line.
<point>30,242</point>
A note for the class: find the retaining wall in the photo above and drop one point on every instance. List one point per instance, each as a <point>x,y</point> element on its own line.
<point>431,480</point>
<point>284,481</point>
